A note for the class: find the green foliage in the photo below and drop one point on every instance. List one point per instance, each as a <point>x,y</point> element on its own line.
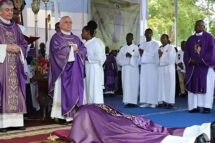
<point>162,15</point>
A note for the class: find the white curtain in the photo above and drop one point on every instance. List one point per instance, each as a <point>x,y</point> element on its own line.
<point>115,19</point>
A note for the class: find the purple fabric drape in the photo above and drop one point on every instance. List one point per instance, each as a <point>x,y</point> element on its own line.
<point>103,124</point>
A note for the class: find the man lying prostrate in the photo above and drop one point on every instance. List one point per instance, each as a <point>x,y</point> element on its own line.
<point>104,124</point>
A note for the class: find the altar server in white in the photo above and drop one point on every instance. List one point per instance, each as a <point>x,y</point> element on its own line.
<point>128,58</point>
<point>149,71</point>
<point>94,64</point>
<point>166,84</point>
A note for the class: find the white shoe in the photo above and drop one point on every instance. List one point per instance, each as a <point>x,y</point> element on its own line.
<point>153,106</point>
<point>144,105</point>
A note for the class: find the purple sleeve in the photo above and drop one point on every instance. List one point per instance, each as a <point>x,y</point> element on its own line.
<point>21,41</point>
<point>187,56</point>
<point>82,51</point>
<point>58,58</point>
<point>208,56</point>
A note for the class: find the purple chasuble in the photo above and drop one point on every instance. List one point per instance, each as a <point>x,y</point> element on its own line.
<point>71,73</point>
<point>12,75</point>
<point>103,124</point>
<point>196,75</point>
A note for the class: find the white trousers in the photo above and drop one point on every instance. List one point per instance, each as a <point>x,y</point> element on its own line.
<point>203,100</point>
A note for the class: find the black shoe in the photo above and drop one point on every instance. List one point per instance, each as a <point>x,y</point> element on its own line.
<point>203,138</point>
<point>169,106</point>
<point>213,132</point>
<point>3,130</point>
<point>206,110</point>
<point>183,95</point>
<point>22,128</point>
<point>130,105</point>
<point>195,110</point>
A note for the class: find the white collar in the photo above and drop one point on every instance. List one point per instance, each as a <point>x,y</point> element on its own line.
<point>66,33</point>
<point>199,34</point>
<point>4,20</point>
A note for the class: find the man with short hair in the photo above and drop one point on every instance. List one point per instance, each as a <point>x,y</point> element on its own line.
<point>12,76</point>
<point>128,58</point>
<point>66,71</point>
<point>199,59</point>
<point>149,71</point>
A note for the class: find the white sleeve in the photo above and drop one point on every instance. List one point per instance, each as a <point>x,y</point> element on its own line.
<point>22,56</point>
<point>71,55</point>
<point>98,55</point>
<point>178,139</point>
<point>3,52</point>
<point>121,58</point>
<point>168,57</point>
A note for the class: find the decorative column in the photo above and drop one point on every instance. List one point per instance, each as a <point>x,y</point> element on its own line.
<point>46,20</point>
<point>35,8</point>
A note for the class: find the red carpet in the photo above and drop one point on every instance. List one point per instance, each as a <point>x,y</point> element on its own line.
<point>29,139</point>
<point>36,134</point>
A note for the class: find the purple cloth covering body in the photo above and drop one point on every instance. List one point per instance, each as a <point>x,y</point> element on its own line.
<point>103,124</point>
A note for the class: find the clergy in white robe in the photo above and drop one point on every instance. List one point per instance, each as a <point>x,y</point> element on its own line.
<point>94,70</point>
<point>149,71</point>
<point>94,64</point>
<point>128,58</point>
<point>166,70</point>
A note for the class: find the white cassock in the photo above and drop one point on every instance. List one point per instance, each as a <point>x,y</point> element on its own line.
<point>190,134</point>
<point>149,73</point>
<point>166,69</point>
<point>56,111</point>
<point>94,70</point>
<point>130,73</point>
<point>10,119</point>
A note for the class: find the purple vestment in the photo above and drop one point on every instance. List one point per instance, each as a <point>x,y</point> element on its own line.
<point>71,73</point>
<point>110,72</point>
<point>103,124</point>
<point>196,75</point>
<point>12,75</point>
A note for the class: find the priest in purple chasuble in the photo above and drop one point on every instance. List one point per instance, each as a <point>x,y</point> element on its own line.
<point>199,59</point>
<point>66,71</point>
<point>12,77</point>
